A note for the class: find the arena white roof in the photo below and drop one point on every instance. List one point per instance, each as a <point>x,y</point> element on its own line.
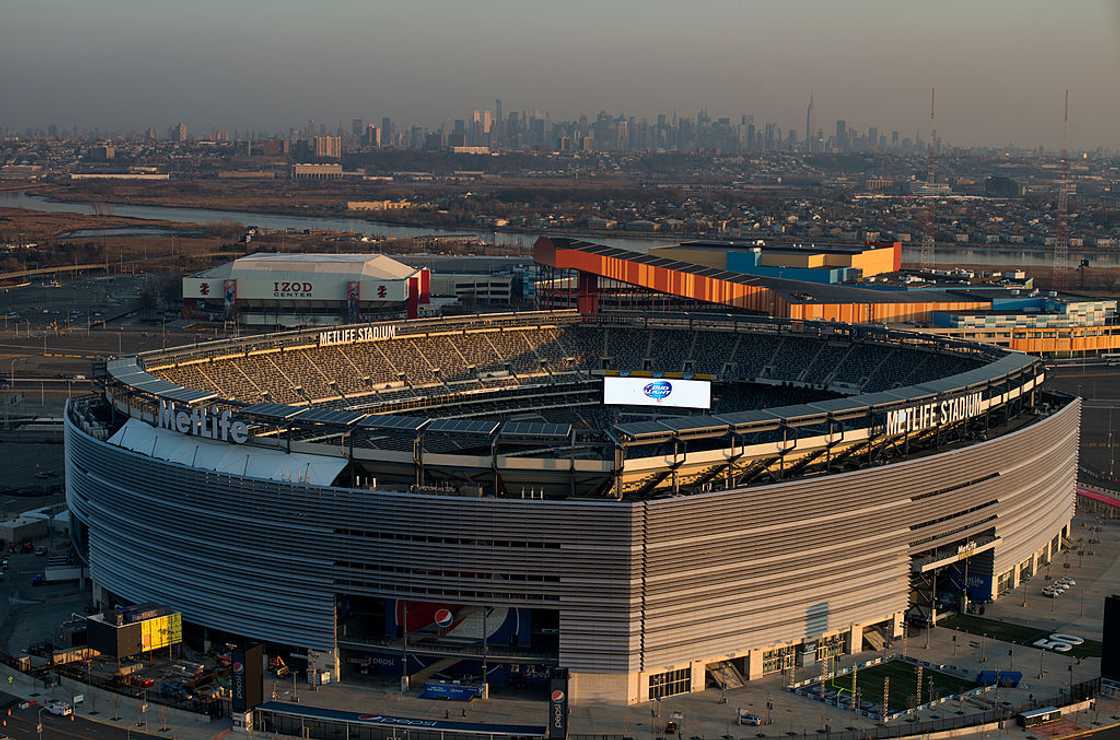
<point>373,266</point>
<point>241,460</point>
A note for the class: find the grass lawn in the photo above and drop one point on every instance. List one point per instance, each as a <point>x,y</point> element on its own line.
<point>903,677</point>
<point>1015,633</point>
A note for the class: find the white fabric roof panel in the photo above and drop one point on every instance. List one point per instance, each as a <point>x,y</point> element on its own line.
<point>377,266</point>
<point>231,459</point>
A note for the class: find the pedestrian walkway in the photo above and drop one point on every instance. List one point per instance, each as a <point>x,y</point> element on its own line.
<point>109,708</point>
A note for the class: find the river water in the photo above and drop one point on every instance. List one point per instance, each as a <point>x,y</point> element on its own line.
<point>947,255</point>
<point>274,221</point>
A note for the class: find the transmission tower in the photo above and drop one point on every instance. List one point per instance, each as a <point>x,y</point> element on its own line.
<point>929,243</point>
<point>1061,237</point>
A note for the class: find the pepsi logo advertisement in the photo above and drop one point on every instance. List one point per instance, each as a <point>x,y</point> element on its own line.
<point>558,709</point>
<point>666,392</point>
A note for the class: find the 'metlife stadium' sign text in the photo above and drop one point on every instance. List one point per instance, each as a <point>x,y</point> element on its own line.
<point>202,422</point>
<point>371,333</point>
<point>924,416</point>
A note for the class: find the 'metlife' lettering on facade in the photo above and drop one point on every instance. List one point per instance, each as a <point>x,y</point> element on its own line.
<point>924,416</point>
<point>202,422</point>
<point>370,333</point>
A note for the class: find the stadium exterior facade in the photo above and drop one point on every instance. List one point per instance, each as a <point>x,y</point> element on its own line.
<point>655,588</point>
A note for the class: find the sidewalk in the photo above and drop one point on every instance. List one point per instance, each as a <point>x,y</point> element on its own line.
<point>102,706</point>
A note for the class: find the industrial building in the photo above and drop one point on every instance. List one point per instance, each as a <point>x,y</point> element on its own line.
<point>810,263</point>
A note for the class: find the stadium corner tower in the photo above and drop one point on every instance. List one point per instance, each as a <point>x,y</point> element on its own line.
<point>654,505</point>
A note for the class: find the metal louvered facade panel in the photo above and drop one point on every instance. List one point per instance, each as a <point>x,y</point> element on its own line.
<point>639,585</point>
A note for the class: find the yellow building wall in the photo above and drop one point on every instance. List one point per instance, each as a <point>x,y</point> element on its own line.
<point>874,261</point>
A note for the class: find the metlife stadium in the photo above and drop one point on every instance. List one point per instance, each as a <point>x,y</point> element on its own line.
<point>459,497</point>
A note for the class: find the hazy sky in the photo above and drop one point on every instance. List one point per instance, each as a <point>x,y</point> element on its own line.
<point>999,66</point>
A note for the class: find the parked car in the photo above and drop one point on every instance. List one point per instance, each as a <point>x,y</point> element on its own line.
<point>750,720</point>
<point>60,708</point>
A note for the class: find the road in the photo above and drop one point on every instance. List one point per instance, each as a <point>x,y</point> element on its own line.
<point>23,723</point>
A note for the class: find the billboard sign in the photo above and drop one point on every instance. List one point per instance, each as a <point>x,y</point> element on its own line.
<point>229,295</point>
<point>246,678</point>
<point>160,632</point>
<point>353,298</point>
<point>558,709</point>
<point>668,392</point>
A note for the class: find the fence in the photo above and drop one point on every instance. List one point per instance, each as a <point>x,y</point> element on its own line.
<point>1075,693</point>
<point>213,708</point>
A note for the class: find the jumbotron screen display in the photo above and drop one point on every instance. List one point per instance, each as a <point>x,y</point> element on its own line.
<point>688,394</point>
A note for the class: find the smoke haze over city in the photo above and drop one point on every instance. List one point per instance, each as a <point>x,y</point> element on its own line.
<point>1000,68</point>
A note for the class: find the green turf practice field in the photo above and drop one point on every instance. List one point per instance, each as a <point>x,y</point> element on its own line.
<point>903,687</point>
<point>1014,633</point>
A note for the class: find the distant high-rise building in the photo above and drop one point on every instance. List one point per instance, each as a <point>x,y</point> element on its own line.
<point>328,147</point>
<point>150,135</point>
<point>387,131</point>
<point>357,127</point>
<point>373,136</point>
<point>181,133</point>
<point>809,124</point>
<point>842,135</point>
<point>102,153</point>
<point>873,137</point>
<point>499,122</point>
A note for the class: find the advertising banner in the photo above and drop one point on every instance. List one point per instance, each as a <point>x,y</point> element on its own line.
<point>229,295</point>
<point>246,678</point>
<point>558,709</point>
<point>353,299</point>
<point>689,394</point>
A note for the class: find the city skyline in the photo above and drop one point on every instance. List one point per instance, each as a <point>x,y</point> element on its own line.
<point>1000,70</point>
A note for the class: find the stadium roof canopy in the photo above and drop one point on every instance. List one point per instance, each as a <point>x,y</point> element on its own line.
<point>241,460</point>
<point>373,266</point>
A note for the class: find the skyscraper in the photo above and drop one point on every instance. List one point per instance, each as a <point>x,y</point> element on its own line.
<point>809,124</point>
<point>499,123</point>
<point>181,133</point>
<point>328,147</point>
